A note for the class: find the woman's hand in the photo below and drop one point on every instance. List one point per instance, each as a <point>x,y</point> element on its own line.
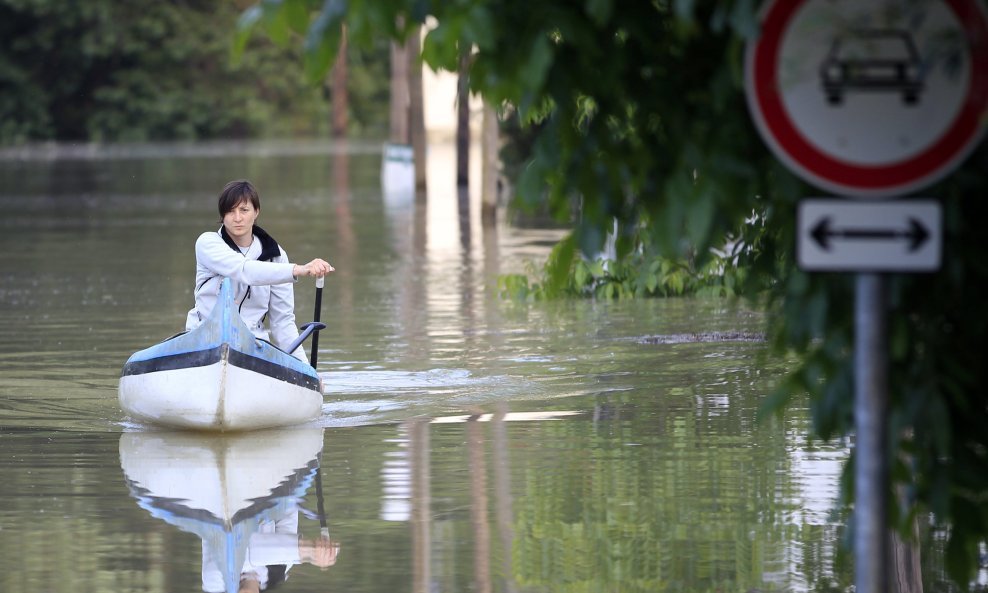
<point>317,267</point>
<point>322,552</point>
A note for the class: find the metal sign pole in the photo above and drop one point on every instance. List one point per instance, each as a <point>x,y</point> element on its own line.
<point>870,409</point>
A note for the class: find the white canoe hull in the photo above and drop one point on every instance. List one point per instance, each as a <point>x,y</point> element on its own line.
<point>219,377</point>
<point>219,397</point>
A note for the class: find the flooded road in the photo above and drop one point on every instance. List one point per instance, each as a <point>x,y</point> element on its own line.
<point>467,443</point>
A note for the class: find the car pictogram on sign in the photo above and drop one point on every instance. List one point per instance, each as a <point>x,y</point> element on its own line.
<point>872,60</point>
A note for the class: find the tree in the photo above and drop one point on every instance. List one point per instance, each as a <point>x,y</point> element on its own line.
<point>133,71</point>
<point>637,114</point>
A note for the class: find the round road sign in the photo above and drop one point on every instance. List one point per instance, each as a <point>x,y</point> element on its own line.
<point>870,99</point>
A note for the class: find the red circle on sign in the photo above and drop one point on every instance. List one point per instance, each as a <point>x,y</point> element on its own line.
<point>845,177</point>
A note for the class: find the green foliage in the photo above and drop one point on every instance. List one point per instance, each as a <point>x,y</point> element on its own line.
<point>639,115</point>
<point>107,70</point>
<point>639,274</point>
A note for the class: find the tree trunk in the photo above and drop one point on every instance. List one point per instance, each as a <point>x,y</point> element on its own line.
<point>463,120</point>
<point>416,108</point>
<point>398,133</point>
<point>338,94</point>
<point>489,149</point>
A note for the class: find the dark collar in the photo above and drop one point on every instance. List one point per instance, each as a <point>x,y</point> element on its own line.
<point>269,247</point>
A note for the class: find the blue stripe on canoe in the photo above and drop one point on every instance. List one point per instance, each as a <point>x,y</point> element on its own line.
<point>200,358</point>
<point>175,511</point>
<point>172,362</point>
<point>277,371</point>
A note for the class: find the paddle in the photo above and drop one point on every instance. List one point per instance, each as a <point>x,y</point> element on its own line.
<point>312,327</point>
<point>320,282</point>
<point>307,330</point>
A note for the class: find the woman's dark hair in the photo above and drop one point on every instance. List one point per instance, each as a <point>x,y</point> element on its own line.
<point>235,192</point>
<point>277,574</point>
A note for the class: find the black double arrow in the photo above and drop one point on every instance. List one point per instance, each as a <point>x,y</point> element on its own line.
<point>916,234</point>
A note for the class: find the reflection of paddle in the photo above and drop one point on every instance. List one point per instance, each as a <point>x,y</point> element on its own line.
<point>321,510</point>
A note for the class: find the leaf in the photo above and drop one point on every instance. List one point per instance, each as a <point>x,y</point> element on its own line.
<point>323,40</point>
<point>776,401</point>
<point>245,27</point>
<point>514,286</point>
<point>531,185</point>
<point>441,50</point>
<point>899,338</point>
<point>684,9</point>
<point>275,21</point>
<point>559,264</point>
<point>744,18</point>
<point>599,11</point>
<point>651,281</point>
<point>296,15</point>
<point>581,274</point>
<point>540,58</point>
<point>477,29</point>
<point>590,238</point>
<point>700,214</point>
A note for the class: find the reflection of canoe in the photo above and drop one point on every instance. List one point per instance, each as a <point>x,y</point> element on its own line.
<point>219,377</point>
<point>217,478</point>
<point>220,487</point>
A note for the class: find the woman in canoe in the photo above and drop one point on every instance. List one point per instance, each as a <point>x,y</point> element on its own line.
<point>261,272</point>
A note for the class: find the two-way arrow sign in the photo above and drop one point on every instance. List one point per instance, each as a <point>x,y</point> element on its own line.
<point>916,233</point>
<point>856,236</point>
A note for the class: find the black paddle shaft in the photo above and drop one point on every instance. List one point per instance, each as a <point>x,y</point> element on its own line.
<point>313,356</point>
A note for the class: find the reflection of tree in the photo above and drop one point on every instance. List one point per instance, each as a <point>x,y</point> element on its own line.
<point>478,508</point>
<point>694,502</point>
<point>503,507</point>
<point>421,508</point>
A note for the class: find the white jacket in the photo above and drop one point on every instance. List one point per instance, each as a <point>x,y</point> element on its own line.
<point>262,289</point>
<point>275,541</point>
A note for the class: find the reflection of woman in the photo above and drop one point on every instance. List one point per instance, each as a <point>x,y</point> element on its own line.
<point>260,269</point>
<point>240,494</point>
<point>273,549</point>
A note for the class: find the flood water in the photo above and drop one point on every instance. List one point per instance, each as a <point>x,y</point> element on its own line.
<point>467,443</point>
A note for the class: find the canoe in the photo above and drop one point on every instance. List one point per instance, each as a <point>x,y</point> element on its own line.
<point>222,487</point>
<point>219,377</point>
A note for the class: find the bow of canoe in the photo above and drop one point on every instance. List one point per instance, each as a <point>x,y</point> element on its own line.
<point>220,377</point>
